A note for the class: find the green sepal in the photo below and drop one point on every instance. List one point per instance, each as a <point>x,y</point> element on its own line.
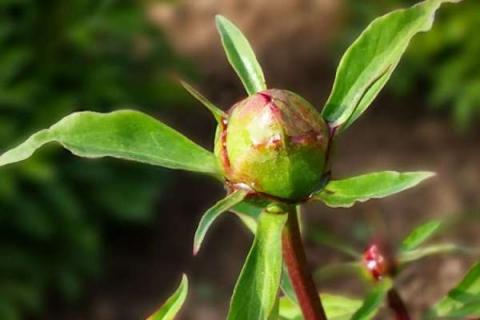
<point>213,213</point>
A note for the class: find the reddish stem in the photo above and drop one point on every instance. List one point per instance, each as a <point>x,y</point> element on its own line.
<point>296,262</point>
<point>395,303</point>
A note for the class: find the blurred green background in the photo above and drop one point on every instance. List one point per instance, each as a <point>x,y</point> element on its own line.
<point>58,57</point>
<point>58,213</point>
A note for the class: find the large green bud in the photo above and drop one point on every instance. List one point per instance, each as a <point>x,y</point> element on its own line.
<point>275,143</point>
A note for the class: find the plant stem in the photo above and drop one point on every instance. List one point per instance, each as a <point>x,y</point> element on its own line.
<point>296,262</point>
<point>395,303</point>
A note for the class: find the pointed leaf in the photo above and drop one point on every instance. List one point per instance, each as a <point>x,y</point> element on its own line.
<point>336,307</point>
<point>420,234</point>
<point>217,113</point>
<point>443,248</point>
<point>369,62</point>
<point>463,301</point>
<point>241,56</point>
<point>213,213</point>
<point>374,300</point>
<point>344,193</point>
<point>172,306</point>
<point>256,290</point>
<point>248,211</point>
<point>123,134</point>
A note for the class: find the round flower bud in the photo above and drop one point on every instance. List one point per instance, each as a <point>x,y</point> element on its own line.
<point>274,143</point>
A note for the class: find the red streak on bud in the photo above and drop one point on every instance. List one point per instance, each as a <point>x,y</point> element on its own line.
<point>307,138</point>
<point>223,139</point>
<point>375,262</point>
<point>267,96</point>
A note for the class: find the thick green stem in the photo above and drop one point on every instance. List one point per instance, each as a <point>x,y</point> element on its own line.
<point>296,262</point>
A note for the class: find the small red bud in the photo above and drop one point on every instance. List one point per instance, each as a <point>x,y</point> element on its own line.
<point>376,262</point>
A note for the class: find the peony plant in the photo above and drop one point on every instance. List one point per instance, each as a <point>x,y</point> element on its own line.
<point>273,152</point>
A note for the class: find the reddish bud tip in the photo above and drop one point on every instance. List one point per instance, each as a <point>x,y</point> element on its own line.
<point>376,262</point>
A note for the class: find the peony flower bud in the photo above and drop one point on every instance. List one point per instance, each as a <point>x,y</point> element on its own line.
<point>378,261</point>
<point>274,143</point>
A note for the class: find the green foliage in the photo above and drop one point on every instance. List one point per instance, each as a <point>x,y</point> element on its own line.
<point>336,307</point>
<point>256,291</point>
<point>213,213</point>
<point>344,193</point>
<point>420,234</point>
<point>373,301</point>
<point>369,62</point>
<point>124,134</point>
<point>241,56</point>
<point>463,301</point>
<point>172,306</point>
<point>217,113</point>
<point>59,56</point>
<point>443,63</point>
<point>363,71</point>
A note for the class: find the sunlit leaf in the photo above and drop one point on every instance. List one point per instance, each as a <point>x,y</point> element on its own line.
<point>336,307</point>
<point>172,306</point>
<point>241,56</point>
<point>369,62</point>
<point>256,290</point>
<point>248,211</point>
<point>463,301</point>
<point>344,193</point>
<point>420,234</point>
<point>217,113</point>
<point>123,134</point>
<point>373,302</point>
<point>213,213</point>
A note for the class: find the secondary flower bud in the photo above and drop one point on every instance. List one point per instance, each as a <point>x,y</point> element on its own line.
<point>274,142</point>
<point>378,261</point>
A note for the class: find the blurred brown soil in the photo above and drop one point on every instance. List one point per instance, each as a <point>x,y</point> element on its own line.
<point>292,39</point>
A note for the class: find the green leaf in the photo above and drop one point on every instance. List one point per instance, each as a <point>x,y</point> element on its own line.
<point>420,234</point>
<point>344,193</point>
<point>369,62</point>
<point>172,306</point>
<point>463,301</point>
<point>443,248</point>
<point>339,269</point>
<point>217,113</point>
<point>336,307</point>
<point>123,134</point>
<point>256,290</point>
<point>213,213</point>
<point>241,56</point>
<point>374,300</point>
<point>249,210</point>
